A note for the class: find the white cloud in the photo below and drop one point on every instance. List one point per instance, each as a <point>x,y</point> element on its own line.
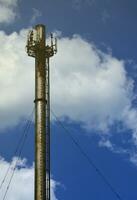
<point>106,143</point>
<point>77,4</point>
<point>16,79</point>
<point>9,2</point>
<point>105,16</point>
<point>133,158</point>
<point>36,14</point>
<point>8,10</point>
<point>87,85</point>
<point>22,185</point>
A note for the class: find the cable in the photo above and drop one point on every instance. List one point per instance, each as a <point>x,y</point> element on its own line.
<point>20,152</point>
<point>18,146</point>
<point>90,161</point>
<point>21,143</point>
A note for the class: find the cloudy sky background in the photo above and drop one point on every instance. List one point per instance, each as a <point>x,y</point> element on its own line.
<point>93,92</point>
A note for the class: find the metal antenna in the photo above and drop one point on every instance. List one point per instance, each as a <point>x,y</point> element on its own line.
<point>37,48</point>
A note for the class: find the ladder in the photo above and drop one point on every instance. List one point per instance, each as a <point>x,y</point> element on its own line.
<point>47,93</point>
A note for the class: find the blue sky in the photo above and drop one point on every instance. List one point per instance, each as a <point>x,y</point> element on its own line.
<point>93,92</point>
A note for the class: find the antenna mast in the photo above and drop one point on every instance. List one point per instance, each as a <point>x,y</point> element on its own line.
<point>37,48</point>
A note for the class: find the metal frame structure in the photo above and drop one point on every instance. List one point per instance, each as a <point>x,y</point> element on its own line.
<point>37,48</point>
